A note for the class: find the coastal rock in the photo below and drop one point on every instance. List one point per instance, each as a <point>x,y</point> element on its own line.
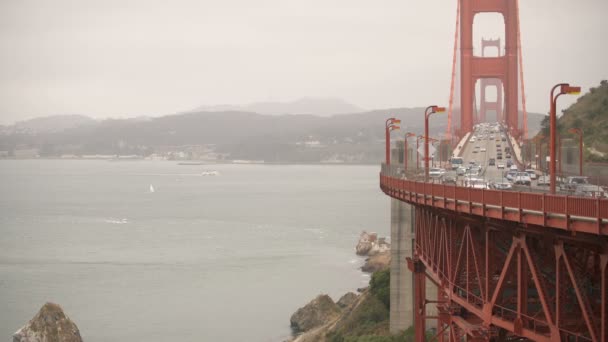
<point>377,262</point>
<point>314,314</point>
<point>49,325</point>
<point>370,244</point>
<point>347,300</point>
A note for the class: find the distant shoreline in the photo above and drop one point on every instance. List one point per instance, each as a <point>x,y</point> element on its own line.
<point>190,163</point>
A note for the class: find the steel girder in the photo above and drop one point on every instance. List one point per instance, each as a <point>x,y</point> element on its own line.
<point>498,281</point>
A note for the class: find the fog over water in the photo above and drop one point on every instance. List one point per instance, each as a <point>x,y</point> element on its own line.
<point>202,258</point>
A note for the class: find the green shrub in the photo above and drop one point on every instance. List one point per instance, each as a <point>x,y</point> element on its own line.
<point>380,286</point>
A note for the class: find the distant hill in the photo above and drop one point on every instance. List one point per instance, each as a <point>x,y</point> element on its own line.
<point>307,105</point>
<point>355,137</point>
<point>50,124</point>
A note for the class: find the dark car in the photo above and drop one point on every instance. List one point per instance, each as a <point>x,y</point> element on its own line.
<point>492,162</point>
<point>499,156</point>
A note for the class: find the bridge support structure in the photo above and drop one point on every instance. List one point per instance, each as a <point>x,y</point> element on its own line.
<point>474,68</point>
<point>498,279</point>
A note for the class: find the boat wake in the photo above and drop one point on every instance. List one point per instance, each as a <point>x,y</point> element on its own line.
<point>117,221</point>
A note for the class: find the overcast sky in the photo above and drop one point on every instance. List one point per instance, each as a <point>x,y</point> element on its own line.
<point>107,58</point>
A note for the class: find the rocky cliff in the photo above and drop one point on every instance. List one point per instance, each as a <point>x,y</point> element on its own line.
<point>49,325</point>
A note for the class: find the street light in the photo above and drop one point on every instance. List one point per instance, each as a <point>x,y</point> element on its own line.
<point>430,110</point>
<point>579,132</point>
<point>407,135</point>
<point>538,149</point>
<point>390,125</point>
<point>417,152</point>
<point>564,88</point>
<point>436,142</point>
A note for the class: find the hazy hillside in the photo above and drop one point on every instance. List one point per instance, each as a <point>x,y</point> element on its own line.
<point>307,105</point>
<point>589,113</point>
<point>48,124</point>
<point>355,138</point>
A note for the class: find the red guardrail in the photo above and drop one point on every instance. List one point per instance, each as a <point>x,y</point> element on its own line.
<point>556,211</point>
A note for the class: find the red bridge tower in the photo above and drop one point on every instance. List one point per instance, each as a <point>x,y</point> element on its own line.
<point>473,68</point>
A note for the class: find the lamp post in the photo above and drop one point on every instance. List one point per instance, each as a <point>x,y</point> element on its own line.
<point>579,132</point>
<point>564,88</point>
<point>418,153</point>
<point>433,142</point>
<point>407,135</point>
<point>537,148</point>
<point>430,110</point>
<point>390,125</point>
<point>558,155</point>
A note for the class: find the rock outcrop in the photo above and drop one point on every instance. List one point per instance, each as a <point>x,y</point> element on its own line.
<point>347,300</point>
<point>49,325</point>
<point>369,244</point>
<point>377,262</point>
<point>314,314</point>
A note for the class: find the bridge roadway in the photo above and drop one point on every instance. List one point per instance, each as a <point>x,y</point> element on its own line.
<point>508,264</point>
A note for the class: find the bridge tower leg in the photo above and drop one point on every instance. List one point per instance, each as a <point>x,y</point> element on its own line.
<point>486,105</point>
<point>473,68</point>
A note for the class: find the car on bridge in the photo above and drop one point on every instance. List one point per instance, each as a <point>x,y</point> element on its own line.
<point>500,166</point>
<point>483,149</point>
<point>589,190</point>
<point>501,186</point>
<point>450,178</point>
<point>543,180</point>
<point>475,183</point>
<point>532,173</point>
<point>461,170</point>
<point>436,172</point>
<point>492,162</point>
<point>571,183</point>
<point>510,175</point>
<point>522,178</point>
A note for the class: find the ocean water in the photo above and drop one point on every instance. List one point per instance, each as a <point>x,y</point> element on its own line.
<point>202,258</point>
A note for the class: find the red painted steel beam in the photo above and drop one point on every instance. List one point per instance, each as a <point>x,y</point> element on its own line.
<point>447,251</point>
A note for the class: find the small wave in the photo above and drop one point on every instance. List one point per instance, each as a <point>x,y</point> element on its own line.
<point>117,221</point>
<point>353,261</point>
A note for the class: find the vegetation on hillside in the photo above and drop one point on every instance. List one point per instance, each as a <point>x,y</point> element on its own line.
<point>369,321</point>
<point>589,113</point>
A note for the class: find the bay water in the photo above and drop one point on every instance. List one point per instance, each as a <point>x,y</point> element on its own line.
<point>155,251</point>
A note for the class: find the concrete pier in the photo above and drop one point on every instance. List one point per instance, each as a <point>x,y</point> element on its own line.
<point>402,280</point>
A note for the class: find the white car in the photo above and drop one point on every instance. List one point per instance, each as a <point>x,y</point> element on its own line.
<point>436,172</point>
<point>532,173</point>
<point>510,175</point>
<point>543,180</point>
<point>522,178</point>
<point>500,166</point>
<point>483,149</point>
<point>476,183</point>
<point>513,167</point>
<point>502,186</point>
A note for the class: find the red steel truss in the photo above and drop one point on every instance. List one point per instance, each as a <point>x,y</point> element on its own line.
<point>504,279</point>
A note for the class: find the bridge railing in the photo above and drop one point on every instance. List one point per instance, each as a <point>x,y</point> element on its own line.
<point>558,211</point>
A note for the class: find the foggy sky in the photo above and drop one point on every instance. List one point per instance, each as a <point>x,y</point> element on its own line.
<point>118,58</point>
